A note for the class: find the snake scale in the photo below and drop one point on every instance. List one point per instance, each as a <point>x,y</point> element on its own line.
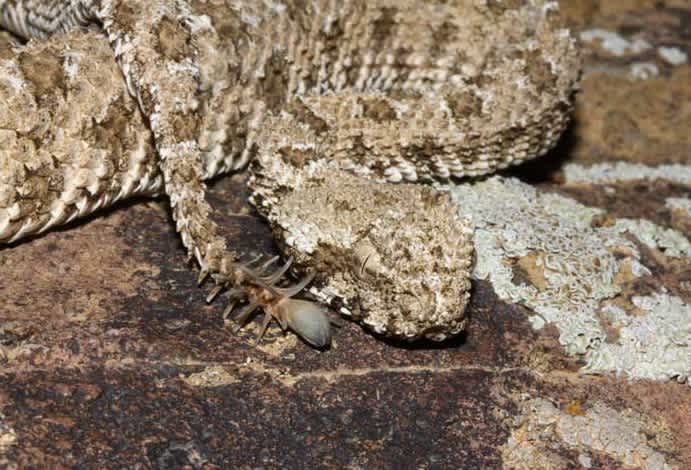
<point>326,102</point>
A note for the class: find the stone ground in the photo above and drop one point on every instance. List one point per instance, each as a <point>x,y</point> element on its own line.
<point>109,357</point>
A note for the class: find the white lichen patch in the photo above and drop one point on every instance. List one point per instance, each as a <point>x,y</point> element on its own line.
<point>513,222</point>
<point>666,323</point>
<point>614,43</point>
<point>679,203</point>
<point>643,70</point>
<point>671,242</point>
<point>603,173</point>
<point>544,251</point>
<point>672,55</point>
<point>212,376</point>
<point>544,433</point>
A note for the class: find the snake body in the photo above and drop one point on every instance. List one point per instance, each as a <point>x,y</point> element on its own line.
<point>331,101</point>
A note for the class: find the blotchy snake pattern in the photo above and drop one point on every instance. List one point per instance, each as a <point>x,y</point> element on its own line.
<point>330,101</point>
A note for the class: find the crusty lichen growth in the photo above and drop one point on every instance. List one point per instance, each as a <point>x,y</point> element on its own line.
<point>544,435</point>
<point>653,344</point>
<point>547,252</point>
<point>211,376</point>
<point>616,172</point>
<point>671,242</point>
<point>615,44</point>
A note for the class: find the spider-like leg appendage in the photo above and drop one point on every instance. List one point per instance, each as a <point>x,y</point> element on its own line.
<point>261,289</point>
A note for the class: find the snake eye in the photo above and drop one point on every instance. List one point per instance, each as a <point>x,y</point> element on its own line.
<point>367,261</point>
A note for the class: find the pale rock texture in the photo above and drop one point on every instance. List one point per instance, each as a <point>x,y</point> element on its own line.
<point>544,429</point>
<point>555,256</point>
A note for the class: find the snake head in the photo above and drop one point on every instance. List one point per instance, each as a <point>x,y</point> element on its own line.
<point>395,257</point>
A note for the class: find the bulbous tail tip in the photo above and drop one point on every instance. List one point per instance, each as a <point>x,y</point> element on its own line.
<point>308,319</point>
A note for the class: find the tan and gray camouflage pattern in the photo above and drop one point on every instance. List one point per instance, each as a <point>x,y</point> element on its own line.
<point>332,100</point>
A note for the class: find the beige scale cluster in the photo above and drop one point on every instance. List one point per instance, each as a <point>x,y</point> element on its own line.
<point>330,101</point>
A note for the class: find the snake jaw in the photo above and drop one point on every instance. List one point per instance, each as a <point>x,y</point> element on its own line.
<point>307,319</point>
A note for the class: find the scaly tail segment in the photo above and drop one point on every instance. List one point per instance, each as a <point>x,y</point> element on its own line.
<point>170,85</point>
<point>164,79</point>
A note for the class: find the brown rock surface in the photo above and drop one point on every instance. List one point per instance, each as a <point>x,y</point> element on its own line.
<point>110,358</point>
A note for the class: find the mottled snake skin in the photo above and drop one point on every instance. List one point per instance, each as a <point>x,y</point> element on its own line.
<point>331,100</point>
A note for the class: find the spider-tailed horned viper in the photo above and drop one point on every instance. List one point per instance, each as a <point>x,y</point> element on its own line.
<point>328,101</point>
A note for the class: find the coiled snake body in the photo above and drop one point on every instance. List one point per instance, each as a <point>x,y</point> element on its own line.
<point>330,101</point>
